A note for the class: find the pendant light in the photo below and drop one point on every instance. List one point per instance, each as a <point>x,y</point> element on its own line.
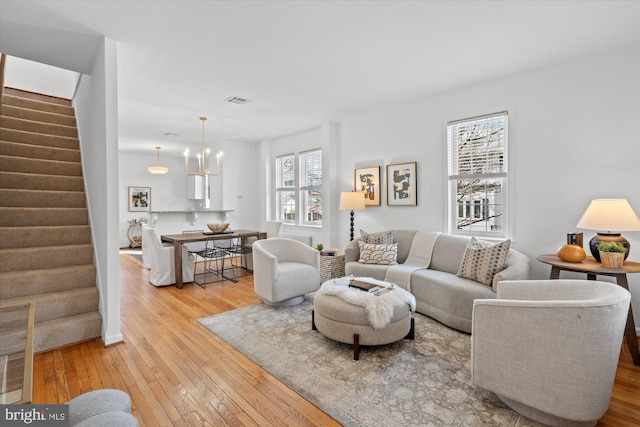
<point>157,169</point>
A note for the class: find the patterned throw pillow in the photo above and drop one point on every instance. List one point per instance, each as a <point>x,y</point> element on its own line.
<point>378,254</point>
<point>380,238</point>
<point>482,260</point>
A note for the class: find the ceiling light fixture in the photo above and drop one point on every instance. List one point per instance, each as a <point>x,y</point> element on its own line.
<point>157,169</point>
<point>203,159</point>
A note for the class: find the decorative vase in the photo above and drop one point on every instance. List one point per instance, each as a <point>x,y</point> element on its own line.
<point>612,259</point>
<point>571,253</point>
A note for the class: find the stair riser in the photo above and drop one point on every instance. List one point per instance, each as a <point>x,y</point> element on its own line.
<point>21,259</point>
<point>38,127</point>
<point>62,332</point>
<point>39,152</point>
<point>36,96</point>
<point>18,284</point>
<point>14,135</point>
<point>42,199</point>
<point>62,304</point>
<point>27,181</point>
<point>37,105</point>
<point>45,167</point>
<point>30,237</point>
<point>38,116</point>
<point>23,217</point>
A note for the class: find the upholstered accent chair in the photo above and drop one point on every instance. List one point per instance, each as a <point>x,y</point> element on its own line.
<point>284,270</point>
<point>101,408</point>
<point>162,262</point>
<point>549,348</point>
<point>146,246</point>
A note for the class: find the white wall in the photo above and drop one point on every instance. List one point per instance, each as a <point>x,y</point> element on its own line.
<point>96,105</point>
<point>574,135</point>
<point>40,78</point>
<point>234,190</point>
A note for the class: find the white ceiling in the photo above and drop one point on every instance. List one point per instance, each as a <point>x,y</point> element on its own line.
<point>300,63</point>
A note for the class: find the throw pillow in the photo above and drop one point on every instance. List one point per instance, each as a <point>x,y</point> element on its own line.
<point>482,260</point>
<point>378,254</point>
<point>379,238</point>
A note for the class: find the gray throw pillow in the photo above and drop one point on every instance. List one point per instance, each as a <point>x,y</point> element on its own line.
<point>379,238</point>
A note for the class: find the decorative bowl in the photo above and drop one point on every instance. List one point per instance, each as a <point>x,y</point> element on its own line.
<point>218,228</point>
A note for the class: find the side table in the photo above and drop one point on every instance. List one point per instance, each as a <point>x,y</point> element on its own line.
<point>593,268</point>
<point>331,267</point>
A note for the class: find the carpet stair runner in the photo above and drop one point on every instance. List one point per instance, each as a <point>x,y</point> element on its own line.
<point>45,236</point>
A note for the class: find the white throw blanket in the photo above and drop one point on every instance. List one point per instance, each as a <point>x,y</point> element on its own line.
<point>379,305</point>
<point>419,258</point>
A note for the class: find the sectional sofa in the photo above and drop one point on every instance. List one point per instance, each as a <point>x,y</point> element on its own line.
<point>440,293</point>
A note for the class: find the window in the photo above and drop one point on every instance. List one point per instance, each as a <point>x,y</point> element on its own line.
<point>477,152</point>
<point>303,194</point>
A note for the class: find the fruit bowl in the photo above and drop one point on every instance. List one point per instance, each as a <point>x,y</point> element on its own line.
<point>218,228</point>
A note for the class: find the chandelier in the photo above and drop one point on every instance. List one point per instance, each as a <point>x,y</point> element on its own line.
<point>157,169</point>
<point>203,160</point>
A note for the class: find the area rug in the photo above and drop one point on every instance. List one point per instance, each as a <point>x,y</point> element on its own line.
<point>424,382</point>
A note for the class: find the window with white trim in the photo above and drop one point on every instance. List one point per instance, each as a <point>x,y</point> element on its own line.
<point>299,188</point>
<point>477,172</point>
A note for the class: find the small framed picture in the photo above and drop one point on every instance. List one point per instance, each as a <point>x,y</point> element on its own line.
<point>139,199</point>
<point>401,184</point>
<point>367,180</point>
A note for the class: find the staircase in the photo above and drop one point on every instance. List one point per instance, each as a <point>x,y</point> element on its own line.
<point>46,253</point>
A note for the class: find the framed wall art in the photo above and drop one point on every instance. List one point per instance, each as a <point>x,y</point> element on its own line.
<point>139,199</point>
<point>367,180</point>
<point>401,184</point>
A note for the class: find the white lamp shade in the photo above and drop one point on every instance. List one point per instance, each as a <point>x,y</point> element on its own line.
<point>609,215</point>
<point>158,170</point>
<point>352,201</point>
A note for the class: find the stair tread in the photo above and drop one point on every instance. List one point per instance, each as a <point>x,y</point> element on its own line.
<point>42,116</point>
<point>19,93</point>
<point>32,190</point>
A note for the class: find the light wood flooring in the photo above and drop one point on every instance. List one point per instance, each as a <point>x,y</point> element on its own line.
<point>179,374</point>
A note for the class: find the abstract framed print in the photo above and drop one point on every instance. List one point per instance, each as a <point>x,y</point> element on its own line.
<point>139,199</point>
<point>367,180</point>
<point>401,184</point>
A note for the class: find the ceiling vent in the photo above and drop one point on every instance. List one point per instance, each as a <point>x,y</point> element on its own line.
<point>237,100</point>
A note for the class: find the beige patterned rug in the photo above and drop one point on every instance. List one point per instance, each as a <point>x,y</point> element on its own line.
<point>425,382</point>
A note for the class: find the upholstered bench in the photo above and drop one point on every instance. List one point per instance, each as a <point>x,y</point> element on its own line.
<point>344,322</point>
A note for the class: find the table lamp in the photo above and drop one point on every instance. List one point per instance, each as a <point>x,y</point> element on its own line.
<point>352,201</point>
<point>609,217</point>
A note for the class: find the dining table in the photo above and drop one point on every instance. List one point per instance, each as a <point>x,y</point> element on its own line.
<point>179,239</point>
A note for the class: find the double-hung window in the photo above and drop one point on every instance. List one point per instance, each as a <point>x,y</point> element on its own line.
<point>477,158</point>
<point>299,188</point>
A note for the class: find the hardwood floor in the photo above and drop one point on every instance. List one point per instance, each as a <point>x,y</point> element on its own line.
<point>179,374</point>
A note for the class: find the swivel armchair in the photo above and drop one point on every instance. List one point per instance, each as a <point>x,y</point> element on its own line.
<point>549,348</point>
<point>284,270</point>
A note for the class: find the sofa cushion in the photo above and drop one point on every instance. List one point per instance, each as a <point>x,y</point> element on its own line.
<point>482,260</point>
<point>379,238</point>
<point>448,252</point>
<point>447,298</point>
<point>378,254</point>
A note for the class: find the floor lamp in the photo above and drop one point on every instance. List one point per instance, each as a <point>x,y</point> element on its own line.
<point>352,201</point>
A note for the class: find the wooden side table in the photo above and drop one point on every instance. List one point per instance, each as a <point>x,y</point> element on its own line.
<point>331,267</point>
<point>593,268</point>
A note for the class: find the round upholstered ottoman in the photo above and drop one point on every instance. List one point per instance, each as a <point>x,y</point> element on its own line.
<point>348,323</point>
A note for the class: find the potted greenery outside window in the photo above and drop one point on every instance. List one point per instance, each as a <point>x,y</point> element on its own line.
<point>611,254</point>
